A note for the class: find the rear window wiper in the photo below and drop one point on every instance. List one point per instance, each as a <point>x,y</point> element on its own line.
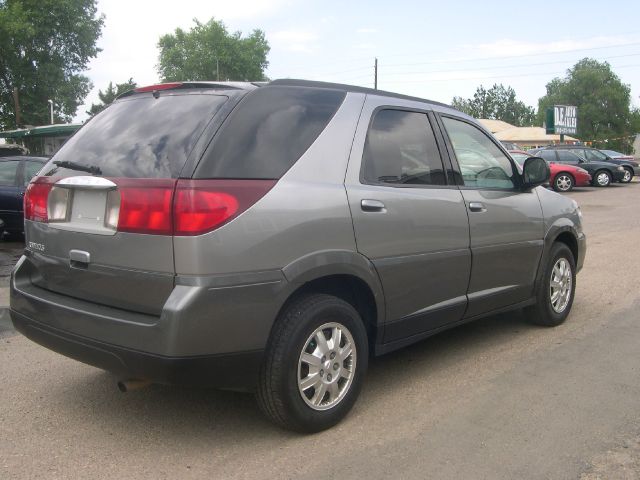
<point>78,166</point>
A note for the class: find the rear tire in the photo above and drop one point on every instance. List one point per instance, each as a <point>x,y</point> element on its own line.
<point>555,290</point>
<point>308,382</point>
<point>563,182</point>
<point>602,178</point>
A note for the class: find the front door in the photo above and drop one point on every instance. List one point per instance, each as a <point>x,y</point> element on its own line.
<point>506,222</point>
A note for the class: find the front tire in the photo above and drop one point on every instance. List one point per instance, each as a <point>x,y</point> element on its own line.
<point>602,178</point>
<point>555,290</point>
<point>314,364</point>
<point>628,175</point>
<point>563,182</point>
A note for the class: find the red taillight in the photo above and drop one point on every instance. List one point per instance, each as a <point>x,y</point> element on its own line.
<point>36,198</point>
<point>160,86</point>
<point>201,206</point>
<point>145,206</point>
<point>159,206</point>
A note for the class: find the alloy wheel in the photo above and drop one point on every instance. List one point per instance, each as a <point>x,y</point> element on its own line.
<point>564,183</point>
<point>603,179</point>
<point>326,366</point>
<point>627,176</point>
<point>560,285</point>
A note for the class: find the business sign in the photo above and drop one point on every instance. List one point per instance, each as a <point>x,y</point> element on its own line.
<point>562,119</point>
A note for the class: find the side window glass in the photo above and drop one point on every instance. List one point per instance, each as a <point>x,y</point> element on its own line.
<point>401,149</point>
<point>31,169</point>
<point>566,156</point>
<point>482,163</point>
<point>8,172</point>
<point>548,155</point>
<point>595,156</point>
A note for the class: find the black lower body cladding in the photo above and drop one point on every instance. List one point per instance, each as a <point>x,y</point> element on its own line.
<point>237,371</point>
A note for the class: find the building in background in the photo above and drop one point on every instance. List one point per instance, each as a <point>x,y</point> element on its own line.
<point>45,140</point>
<point>525,137</point>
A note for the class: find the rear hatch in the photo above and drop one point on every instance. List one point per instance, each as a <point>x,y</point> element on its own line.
<point>99,218</point>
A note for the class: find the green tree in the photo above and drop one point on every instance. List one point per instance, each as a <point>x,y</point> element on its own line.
<point>109,95</point>
<point>209,52</point>
<point>497,103</point>
<point>603,101</point>
<point>44,45</point>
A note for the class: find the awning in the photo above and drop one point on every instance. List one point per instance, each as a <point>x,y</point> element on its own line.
<point>62,130</point>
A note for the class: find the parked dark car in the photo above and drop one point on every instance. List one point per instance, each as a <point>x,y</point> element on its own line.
<point>10,150</point>
<point>272,237</point>
<point>631,166</point>
<point>563,177</point>
<point>602,173</point>
<point>15,174</point>
<point>618,155</point>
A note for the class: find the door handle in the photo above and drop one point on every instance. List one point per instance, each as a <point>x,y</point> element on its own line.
<point>372,206</point>
<point>477,207</point>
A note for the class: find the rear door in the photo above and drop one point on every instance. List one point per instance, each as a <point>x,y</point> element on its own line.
<point>409,220</point>
<point>101,219</point>
<point>506,222</point>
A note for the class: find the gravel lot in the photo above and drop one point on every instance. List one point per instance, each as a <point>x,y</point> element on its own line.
<point>494,399</point>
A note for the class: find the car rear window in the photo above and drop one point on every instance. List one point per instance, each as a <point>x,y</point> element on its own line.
<point>268,132</point>
<point>138,137</point>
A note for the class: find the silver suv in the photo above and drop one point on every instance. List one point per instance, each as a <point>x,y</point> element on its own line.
<point>272,237</point>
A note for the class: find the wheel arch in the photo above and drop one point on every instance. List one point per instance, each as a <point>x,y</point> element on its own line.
<point>344,274</point>
<point>562,231</point>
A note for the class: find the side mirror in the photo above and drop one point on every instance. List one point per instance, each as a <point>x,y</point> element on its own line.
<point>535,172</point>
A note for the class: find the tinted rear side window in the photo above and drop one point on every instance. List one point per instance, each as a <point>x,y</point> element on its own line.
<point>401,149</point>
<point>268,132</point>
<point>8,172</point>
<point>140,137</point>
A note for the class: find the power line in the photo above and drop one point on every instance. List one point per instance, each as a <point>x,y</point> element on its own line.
<point>500,67</point>
<point>459,61</point>
<point>497,76</point>
<point>512,56</point>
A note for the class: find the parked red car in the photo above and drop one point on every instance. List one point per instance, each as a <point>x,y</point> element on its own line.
<point>563,177</point>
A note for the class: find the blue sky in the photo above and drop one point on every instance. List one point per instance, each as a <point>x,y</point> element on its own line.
<point>434,50</point>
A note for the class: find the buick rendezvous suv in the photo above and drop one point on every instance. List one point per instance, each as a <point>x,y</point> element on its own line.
<point>271,237</point>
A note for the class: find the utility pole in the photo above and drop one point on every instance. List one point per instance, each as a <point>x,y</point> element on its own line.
<point>16,102</point>
<point>51,106</point>
<point>375,74</point>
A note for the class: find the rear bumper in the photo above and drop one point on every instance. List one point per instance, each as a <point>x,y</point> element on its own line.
<point>237,371</point>
<point>210,334</point>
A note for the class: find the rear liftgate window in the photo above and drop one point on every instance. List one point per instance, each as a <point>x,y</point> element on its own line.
<point>268,132</point>
<point>138,137</point>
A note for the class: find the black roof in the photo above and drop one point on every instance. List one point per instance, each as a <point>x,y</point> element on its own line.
<point>351,88</point>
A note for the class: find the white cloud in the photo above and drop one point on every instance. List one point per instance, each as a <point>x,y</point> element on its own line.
<point>293,40</point>
<point>132,29</point>
<point>367,30</point>
<point>364,46</point>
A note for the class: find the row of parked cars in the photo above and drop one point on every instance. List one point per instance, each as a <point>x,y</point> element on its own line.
<point>579,166</point>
